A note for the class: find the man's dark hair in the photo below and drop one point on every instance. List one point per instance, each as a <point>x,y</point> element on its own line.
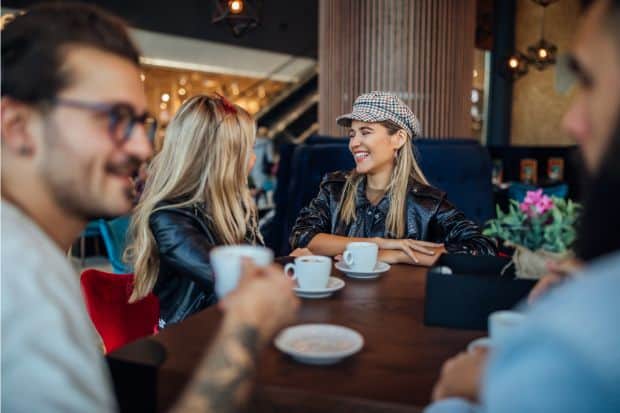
<point>33,45</point>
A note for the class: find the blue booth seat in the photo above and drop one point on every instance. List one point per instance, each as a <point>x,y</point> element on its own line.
<point>276,231</point>
<point>114,234</point>
<point>312,162</point>
<point>460,167</point>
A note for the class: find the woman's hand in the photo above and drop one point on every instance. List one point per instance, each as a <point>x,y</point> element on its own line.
<point>399,257</point>
<point>411,247</point>
<point>557,272</point>
<point>300,252</point>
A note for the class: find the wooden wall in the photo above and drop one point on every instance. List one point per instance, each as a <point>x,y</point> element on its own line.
<point>420,49</point>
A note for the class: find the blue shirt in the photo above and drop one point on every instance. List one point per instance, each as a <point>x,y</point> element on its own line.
<point>566,356</point>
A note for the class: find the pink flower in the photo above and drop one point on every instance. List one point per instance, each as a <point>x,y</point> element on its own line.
<point>544,205</point>
<point>533,197</point>
<point>535,203</point>
<point>525,208</point>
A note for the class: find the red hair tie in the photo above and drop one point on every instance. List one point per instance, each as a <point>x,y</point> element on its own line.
<point>229,107</point>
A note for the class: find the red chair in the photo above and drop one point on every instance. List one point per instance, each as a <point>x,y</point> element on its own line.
<point>117,321</point>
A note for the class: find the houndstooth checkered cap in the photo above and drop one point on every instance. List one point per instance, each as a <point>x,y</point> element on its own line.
<point>378,106</point>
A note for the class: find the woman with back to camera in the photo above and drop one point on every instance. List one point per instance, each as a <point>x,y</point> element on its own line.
<point>386,199</point>
<point>196,197</point>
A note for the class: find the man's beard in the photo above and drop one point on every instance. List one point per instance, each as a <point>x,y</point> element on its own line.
<point>598,231</point>
<point>69,181</point>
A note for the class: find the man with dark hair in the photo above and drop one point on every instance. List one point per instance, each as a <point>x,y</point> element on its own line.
<point>74,129</point>
<point>565,356</point>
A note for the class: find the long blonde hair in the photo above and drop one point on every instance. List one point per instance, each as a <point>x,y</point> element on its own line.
<point>204,159</point>
<point>406,169</point>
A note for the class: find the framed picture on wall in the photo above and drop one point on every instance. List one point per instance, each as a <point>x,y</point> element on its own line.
<point>555,169</point>
<point>529,171</point>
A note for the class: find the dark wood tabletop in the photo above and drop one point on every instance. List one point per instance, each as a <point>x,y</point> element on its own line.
<point>395,371</point>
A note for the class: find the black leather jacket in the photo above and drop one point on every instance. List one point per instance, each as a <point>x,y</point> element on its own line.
<point>430,217</point>
<point>184,238</point>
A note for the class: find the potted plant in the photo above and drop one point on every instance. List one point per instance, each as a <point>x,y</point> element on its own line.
<point>540,228</point>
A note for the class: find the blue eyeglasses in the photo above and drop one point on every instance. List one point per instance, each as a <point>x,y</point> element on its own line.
<point>121,117</point>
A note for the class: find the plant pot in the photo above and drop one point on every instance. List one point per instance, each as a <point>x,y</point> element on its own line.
<point>532,265</point>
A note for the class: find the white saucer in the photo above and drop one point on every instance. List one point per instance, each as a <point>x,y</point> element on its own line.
<point>334,284</point>
<point>319,344</point>
<point>380,268</point>
<point>479,342</point>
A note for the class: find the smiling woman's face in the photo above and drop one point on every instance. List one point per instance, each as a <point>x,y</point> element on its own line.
<point>373,147</point>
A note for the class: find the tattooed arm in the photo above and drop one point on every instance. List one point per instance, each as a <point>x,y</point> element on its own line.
<point>262,304</point>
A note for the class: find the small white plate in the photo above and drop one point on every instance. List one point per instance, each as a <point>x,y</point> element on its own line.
<point>334,284</point>
<point>380,268</point>
<point>319,344</point>
<point>479,342</point>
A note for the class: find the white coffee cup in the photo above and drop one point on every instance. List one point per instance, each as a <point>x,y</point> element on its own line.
<point>502,324</point>
<point>226,262</point>
<point>361,256</point>
<point>311,271</point>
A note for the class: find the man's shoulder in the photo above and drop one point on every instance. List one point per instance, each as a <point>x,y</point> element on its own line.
<point>34,270</point>
<point>41,298</point>
<point>26,248</point>
<point>600,279</point>
<point>583,308</point>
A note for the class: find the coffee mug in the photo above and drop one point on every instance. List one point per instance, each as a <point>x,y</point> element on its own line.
<point>311,271</point>
<point>361,256</point>
<point>503,323</point>
<point>226,262</point>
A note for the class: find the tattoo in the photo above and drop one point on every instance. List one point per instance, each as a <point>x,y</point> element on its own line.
<point>224,380</point>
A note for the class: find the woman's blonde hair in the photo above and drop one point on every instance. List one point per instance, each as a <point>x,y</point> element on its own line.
<point>204,160</point>
<point>405,169</point>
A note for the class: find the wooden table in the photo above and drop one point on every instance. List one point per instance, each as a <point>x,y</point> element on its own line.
<point>395,370</point>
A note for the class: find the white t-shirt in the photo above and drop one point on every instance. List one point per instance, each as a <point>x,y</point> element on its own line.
<point>51,361</point>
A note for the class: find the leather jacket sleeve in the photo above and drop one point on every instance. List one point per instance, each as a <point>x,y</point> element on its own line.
<point>313,219</point>
<point>459,234</point>
<point>183,246</point>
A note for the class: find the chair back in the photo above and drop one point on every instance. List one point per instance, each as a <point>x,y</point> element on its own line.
<point>114,234</point>
<point>117,321</point>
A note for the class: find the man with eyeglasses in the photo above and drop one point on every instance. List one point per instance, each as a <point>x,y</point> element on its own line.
<point>74,130</point>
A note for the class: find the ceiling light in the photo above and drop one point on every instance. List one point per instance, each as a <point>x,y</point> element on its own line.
<point>235,6</point>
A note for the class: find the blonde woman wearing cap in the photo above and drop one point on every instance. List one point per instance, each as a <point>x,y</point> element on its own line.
<point>196,196</point>
<point>386,199</point>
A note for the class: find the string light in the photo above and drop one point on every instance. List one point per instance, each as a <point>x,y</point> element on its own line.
<point>542,53</point>
<point>234,88</point>
<point>165,97</point>
<point>513,62</point>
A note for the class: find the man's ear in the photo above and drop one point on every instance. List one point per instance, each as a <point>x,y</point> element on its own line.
<point>15,133</point>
